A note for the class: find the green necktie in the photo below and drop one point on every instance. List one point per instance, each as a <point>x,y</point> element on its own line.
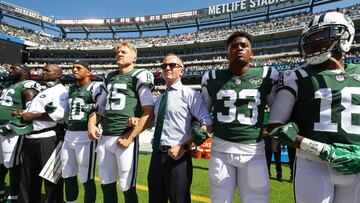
<point>160,121</point>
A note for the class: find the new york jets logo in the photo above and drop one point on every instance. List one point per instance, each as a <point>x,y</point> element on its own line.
<point>127,78</point>
<point>357,77</point>
<point>340,78</point>
<point>255,81</point>
<point>81,94</point>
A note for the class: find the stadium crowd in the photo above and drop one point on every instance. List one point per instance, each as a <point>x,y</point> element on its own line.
<point>254,67</point>
<point>281,64</point>
<point>213,34</point>
<point>25,34</point>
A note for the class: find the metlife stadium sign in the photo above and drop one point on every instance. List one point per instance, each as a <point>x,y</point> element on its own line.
<point>241,5</point>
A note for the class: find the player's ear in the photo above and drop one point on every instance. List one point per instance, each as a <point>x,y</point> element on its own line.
<point>182,72</point>
<point>251,51</point>
<point>59,75</point>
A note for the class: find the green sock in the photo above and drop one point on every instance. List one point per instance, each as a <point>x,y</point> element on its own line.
<point>109,192</point>
<point>90,191</point>
<point>71,188</point>
<point>130,195</point>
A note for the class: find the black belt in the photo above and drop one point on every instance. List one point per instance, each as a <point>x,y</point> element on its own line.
<point>42,131</point>
<point>164,148</point>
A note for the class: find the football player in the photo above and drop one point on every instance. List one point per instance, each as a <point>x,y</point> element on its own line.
<point>238,96</point>
<point>78,155</point>
<point>16,95</point>
<point>127,94</point>
<point>322,99</point>
<point>46,110</point>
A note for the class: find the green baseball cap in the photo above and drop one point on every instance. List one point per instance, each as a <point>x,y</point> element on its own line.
<point>19,127</point>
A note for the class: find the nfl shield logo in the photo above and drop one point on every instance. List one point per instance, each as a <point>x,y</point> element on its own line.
<point>340,78</point>
<point>237,81</point>
<point>81,94</point>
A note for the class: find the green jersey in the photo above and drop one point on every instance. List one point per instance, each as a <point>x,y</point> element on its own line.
<point>79,97</point>
<point>122,100</point>
<point>238,102</point>
<point>12,99</point>
<point>327,107</point>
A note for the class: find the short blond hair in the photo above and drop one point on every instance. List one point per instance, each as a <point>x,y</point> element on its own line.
<point>126,44</point>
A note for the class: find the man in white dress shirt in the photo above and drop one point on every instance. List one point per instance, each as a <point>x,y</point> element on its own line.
<point>170,170</point>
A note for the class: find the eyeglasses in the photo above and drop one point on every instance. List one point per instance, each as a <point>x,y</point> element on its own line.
<point>171,65</point>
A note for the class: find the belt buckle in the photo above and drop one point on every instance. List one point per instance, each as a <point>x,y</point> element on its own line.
<point>164,148</point>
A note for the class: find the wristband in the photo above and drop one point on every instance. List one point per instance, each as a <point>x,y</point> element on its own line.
<point>311,146</point>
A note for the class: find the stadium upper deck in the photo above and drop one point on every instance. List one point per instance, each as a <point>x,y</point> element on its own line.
<point>282,30</point>
<point>276,38</point>
<point>227,15</point>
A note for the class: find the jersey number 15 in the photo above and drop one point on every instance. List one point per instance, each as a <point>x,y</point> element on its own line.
<point>115,99</point>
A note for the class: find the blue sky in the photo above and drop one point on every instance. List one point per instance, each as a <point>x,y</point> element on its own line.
<point>80,9</point>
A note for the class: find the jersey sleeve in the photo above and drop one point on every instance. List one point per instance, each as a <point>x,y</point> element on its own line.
<point>285,98</point>
<point>287,81</point>
<point>145,78</point>
<point>145,96</point>
<point>106,76</point>
<point>30,84</point>
<point>274,77</point>
<point>61,101</point>
<point>281,109</point>
<point>204,91</point>
<point>102,99</point>
<point>96,90</point>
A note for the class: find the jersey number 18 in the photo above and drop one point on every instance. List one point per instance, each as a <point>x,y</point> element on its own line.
<point>325,123</point>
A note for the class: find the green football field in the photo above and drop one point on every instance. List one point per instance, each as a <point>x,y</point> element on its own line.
<point>279,191</point>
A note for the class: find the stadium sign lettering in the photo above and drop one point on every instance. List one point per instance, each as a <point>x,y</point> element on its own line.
<point>240,5</point>
<point>356,60</point>
<point>353,60</point>
<point>226,8</point>
<point>24,12</point>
